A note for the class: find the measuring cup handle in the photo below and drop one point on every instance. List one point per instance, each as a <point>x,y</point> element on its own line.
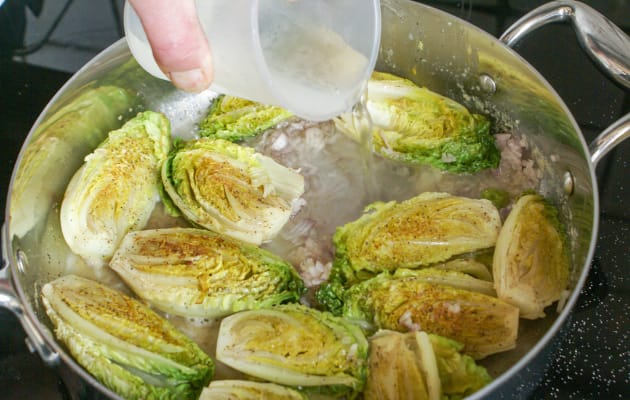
<point>10,301</point>
<point>606,44</point>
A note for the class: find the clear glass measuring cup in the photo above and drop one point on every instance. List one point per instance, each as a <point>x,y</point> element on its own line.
<point>311,57</point>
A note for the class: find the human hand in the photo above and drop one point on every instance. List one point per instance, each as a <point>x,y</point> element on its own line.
<point>179,45</point>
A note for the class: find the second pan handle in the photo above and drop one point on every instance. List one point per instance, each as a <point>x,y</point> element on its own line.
<point>606,44</point>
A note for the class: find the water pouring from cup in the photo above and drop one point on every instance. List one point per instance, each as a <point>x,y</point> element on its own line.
<point>310,57</point>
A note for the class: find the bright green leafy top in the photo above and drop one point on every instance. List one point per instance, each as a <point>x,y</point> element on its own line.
<point>415,125</point>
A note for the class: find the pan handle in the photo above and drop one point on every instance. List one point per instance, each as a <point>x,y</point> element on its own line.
<point>10,301</point>
<point>609,138</point>
<point>606,44</point>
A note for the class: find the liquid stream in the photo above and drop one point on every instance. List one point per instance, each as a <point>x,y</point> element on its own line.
<point>362,122</point>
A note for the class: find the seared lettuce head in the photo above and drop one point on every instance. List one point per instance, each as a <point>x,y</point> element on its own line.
<point>402,367</point>
<point>124,344</point>
<point>417,365</point>
<point>198,273</point>
<point>429,228</point>
<point>482,323</point>
<point>424,230</point>
<point>235,119</point>
<point>296,346</point>
<point>415,125</point>
<point>231,189</point>
<point>116,189</point>
<point>531,260</point>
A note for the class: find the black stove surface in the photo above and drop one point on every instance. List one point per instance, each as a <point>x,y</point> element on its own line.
<point>592,356</point>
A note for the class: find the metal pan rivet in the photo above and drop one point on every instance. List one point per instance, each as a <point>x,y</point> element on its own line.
<point>487,84</point>
<point>568,182</point>
<point>21,261</point>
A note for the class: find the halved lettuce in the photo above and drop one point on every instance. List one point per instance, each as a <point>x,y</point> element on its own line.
<point>296,346</point>
<point>402,367</point>
<point>231,189</point>
<point>415,125</point>
<point>531,260</point>
<point>416,366</point>
<point>483,324</point>
<point>197,273</point>
<point>116,189</point>
<point>124,344</point>
<point>424,230</point>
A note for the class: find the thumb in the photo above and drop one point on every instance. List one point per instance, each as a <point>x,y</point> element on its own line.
<point>179,45</point>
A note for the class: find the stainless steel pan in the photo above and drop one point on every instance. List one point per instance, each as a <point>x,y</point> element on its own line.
<point>428,46</point>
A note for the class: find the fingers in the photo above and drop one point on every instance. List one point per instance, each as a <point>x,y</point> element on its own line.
<point>179,45</point>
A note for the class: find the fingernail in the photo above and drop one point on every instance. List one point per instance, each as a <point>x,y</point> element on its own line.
<point>194,80</point>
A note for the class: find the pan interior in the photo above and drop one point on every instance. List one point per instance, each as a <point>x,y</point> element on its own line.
<point>427,46</point>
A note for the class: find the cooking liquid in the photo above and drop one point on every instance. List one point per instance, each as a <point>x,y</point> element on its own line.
<point>362,122</point>
<point>330,164</point>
